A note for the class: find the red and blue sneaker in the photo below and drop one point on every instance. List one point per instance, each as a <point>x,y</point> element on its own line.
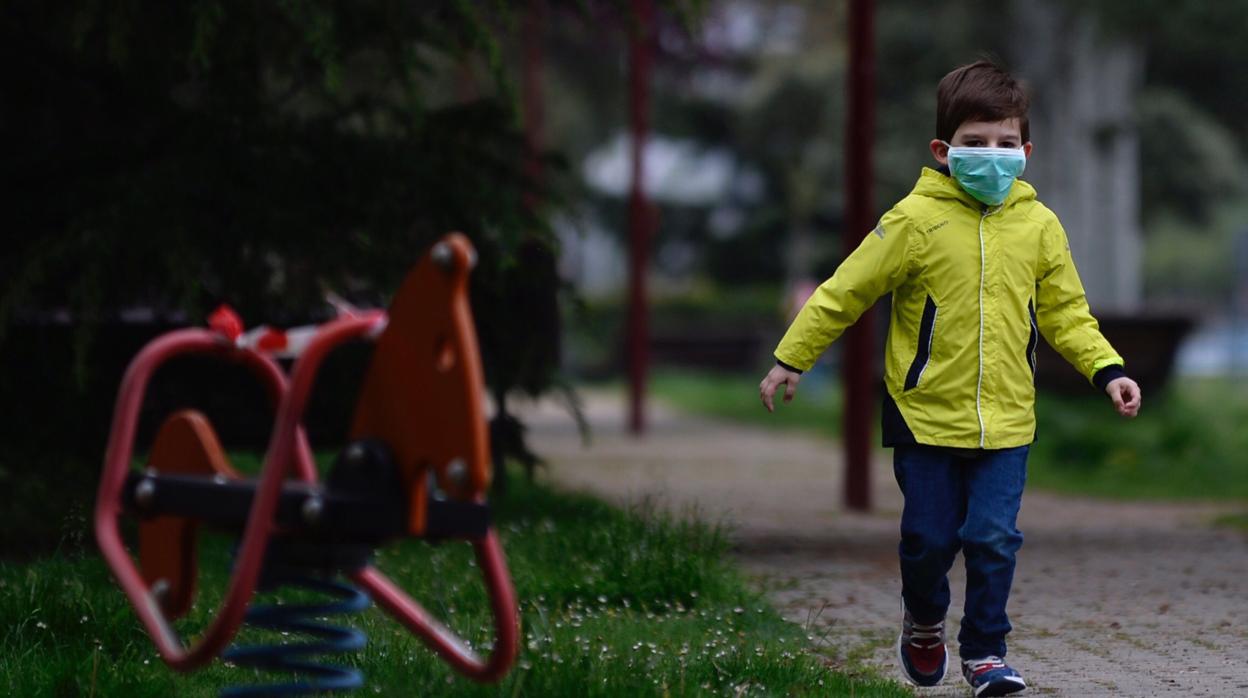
<point>921,650</point>
<point>991,676</point>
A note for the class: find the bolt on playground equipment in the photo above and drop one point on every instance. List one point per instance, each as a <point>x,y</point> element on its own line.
<point>416,465</point>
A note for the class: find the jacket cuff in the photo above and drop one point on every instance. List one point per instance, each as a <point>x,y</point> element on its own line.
<point>1102,378</point>
<point>787,367</point>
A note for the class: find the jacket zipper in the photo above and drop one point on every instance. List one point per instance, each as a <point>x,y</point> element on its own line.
<point>979,385</point>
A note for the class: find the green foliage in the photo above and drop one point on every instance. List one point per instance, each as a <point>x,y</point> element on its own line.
<point>1187,443</point>
<point>1192,162</point>
<point>816,409</point>
<point>612,603</point>
<point>1237,521</point>
<point>174,157</point>
<point>781,114</point>
<point>1192,47</point>
<point>222,151</point>
<point>596,327</point>
<point>1193,261</point>
<point>182,155</point>
<point>46,508</point>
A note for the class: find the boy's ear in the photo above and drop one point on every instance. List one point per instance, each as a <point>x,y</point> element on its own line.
<point>940,151</point>
<point>1027,149</point>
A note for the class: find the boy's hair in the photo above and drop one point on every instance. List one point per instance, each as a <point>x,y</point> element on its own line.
<point>980,91</point>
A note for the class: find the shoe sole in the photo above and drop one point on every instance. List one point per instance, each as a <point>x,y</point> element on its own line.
<point>1001,687</point>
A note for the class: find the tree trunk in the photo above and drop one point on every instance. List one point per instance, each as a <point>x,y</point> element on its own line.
<point>1086,163</point>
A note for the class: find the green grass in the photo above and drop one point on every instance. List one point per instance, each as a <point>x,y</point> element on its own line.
<point>614,603</point>
<point>1239,521</point>
<point>1188,443</point>
<point>816,409</point>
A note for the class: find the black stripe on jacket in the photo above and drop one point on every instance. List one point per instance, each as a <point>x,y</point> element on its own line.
<point>926,327</point>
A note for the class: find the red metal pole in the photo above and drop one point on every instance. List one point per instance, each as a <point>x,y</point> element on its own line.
<point>858,368</point>
<point>640,218</point>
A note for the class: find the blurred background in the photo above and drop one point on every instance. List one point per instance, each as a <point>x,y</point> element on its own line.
<point>163,159</point>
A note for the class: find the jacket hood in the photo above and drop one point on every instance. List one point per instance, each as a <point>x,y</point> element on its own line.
<point>938,185</point>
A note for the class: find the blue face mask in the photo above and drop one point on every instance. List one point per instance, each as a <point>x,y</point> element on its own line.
<point>987,173</point>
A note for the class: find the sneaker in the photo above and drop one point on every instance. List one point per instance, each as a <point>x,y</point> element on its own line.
<point>921,651</point>
<point>991,676</point>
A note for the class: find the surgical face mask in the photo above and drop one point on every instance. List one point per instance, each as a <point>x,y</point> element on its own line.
<point>986,173</point>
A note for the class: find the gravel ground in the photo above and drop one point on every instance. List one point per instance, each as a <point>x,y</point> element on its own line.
<point>1110,598</point>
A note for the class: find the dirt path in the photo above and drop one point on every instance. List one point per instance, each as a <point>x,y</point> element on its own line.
<point>1109,598</point>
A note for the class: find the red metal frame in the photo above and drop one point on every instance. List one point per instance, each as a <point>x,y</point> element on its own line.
<point>443,640</point>
<point>288,454</point>
<point>641,213</point>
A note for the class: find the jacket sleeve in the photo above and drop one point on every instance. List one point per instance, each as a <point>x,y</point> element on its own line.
<point>1062,312</point>
<point>880,264</point>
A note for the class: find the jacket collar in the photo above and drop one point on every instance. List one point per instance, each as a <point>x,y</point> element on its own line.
<point>938,184</point>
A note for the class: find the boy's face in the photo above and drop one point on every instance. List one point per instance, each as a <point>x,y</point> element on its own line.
<point>983,134</point>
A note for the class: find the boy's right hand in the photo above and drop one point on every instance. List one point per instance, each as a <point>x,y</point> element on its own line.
<point>776,377</point>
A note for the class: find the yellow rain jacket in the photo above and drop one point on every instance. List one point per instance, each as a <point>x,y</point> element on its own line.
<point>971,285</point>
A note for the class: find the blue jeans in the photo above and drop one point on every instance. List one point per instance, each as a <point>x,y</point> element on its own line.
<point>961,502</point>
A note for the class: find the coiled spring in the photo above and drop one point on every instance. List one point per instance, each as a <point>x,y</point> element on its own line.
<point>303,618</point>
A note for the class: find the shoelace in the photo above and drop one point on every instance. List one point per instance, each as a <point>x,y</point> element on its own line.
<point>978,666</point>
<point>935,633</point>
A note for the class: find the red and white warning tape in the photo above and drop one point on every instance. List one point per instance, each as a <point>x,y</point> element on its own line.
<point>288,343</point>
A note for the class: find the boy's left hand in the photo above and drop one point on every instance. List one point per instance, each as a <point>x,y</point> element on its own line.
<point>1126,396</point>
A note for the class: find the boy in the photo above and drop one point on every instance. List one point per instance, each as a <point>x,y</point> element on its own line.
<point>978,269</point>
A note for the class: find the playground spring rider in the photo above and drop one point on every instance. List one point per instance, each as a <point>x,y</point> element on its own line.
<point>416,465</point>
